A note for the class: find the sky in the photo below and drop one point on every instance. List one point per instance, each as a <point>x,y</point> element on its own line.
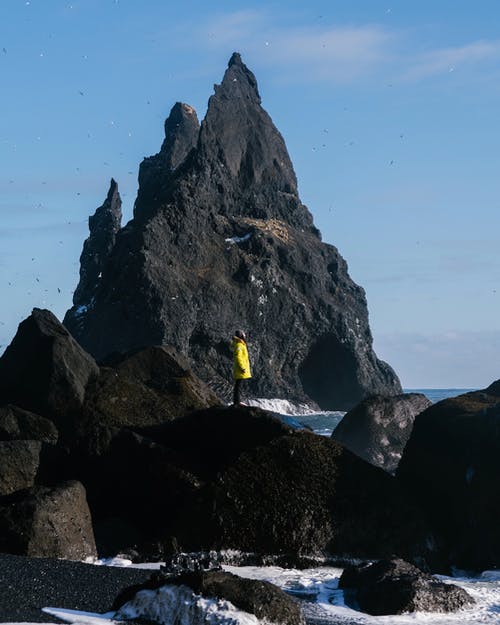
<point>389,111</point>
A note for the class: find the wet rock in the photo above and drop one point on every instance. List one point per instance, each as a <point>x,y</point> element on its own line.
<point>47,522</point>
<point>19,424</point>
<point>395,586</point>
<point>451,464</point>
<point>262,599</point>
<point>221,240</point>
<point>378,428</point>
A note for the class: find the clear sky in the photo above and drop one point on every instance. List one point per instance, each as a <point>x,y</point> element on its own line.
<point>389,111</point>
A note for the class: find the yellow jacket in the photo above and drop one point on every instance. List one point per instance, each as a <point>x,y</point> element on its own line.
<point>241,368</point>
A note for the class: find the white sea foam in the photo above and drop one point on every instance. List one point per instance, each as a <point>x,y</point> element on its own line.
<point>325,601</point>
<point>283,406</point>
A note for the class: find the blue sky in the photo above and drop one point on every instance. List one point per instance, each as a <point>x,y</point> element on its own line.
<point>389,111</point>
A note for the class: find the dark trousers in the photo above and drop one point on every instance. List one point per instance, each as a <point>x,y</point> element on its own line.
<point>236,392</point>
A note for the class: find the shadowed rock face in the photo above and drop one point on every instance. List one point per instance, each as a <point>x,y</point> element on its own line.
<point>220,240</point>
<point>451,462</point>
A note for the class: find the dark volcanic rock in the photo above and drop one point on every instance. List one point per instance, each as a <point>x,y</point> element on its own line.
<point>394,586</point>
<point>238,478</point>
<point>47,522</point>
<point>142,388</point>
<point>377,428</point>
<point>19,424</point>
<point>103,226</point>
<point>304,495</point>
<point>220,240</point>
<point>266,601</point>
<point>19,463</point>
<point>451,463</point>
<point>45,370</point>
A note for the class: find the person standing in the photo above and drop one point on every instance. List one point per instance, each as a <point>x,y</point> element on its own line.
<point>241,364</point>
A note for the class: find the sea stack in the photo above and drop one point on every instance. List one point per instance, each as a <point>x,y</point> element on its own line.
<point>220,240</point>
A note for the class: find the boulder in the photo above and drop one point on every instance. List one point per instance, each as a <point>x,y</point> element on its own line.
<point>146,387</point>
<point>451,464</point>
<point>19,424</point>
<point>378,427</point>
<point>163,597</point>
<point>395,586</point>
<point>45,370</point>
<point>221,240</point>
<point>19,464</point>
<point>176,459</point>
<point>47,522</point>
<point>239,478</point>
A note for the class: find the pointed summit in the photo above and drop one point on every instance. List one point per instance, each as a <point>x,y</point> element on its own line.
<point>103,226</point>
<point>181,136</point>
<point>220,239</point>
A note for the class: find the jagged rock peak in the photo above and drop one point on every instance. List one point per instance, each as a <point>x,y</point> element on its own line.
<point>239,138</point>
<point>103,226</point>
<point>181,136</point>
<point>224,239</point>
<point>238,79</point>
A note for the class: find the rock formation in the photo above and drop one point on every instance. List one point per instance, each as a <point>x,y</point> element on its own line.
<point>220,240</point>
<point>395,587</point>
<point>378,427</point>
<point>103,226</point>
<point>47,522</point>
<point>165,599</point>
<point>451,462</point>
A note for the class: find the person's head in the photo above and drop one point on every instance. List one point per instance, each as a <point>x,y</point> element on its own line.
<point>241,335</point>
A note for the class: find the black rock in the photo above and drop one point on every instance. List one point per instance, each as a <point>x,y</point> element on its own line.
<point>19,424</point>
<point>395,586</point>
<point>45,370</point>
<point>47,522</point>
<point>451,464</point>
<point>103,226</point>
<point>266,601</point>
<point>238,478</point>
<point>378,427</point>
<point>220,240</point>
<point>139,389</point>
<point>19,464</point>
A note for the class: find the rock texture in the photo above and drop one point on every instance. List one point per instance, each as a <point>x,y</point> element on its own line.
<point>378,428</point>
<point>19,464</point>
<point>395,586</point>
<point>221,240</point>
<point>45,370</point>
<point>238,478</point>
<point>451,463</point>
<point>262,599</point>
<point>19,424</point>
<point>47,522</point>
<point>103,226</point>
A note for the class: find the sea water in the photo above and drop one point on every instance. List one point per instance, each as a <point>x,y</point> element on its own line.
<point>324,422</point>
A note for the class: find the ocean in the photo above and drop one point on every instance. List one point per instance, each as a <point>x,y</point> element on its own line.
<point>325,422</point>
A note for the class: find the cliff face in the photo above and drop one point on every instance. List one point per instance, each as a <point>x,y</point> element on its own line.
<point>220,240</point>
